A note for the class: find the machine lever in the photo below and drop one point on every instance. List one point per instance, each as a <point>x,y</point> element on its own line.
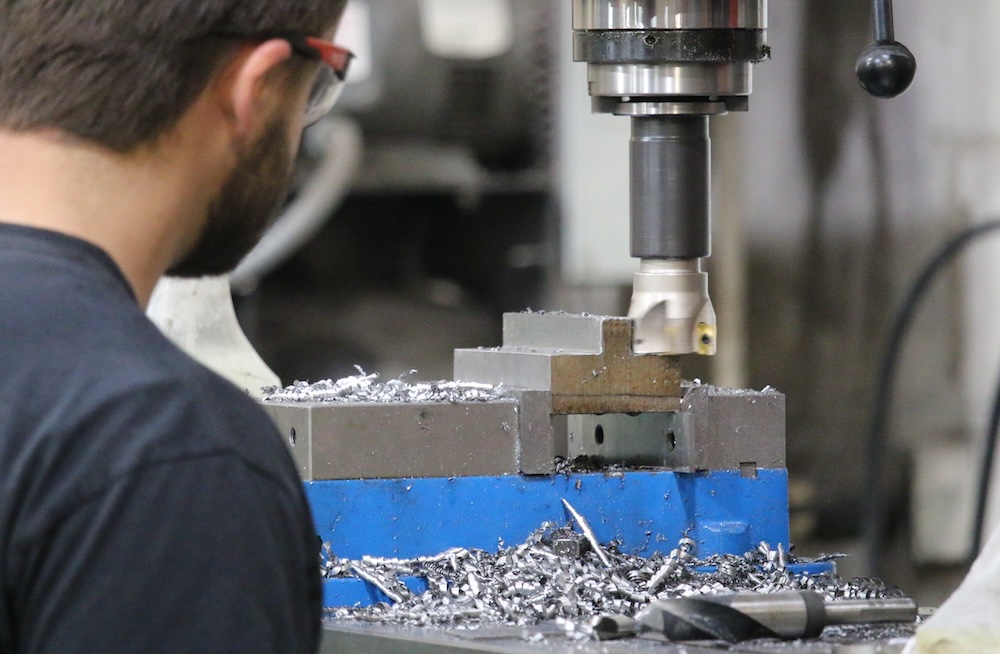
<point>886,67</point>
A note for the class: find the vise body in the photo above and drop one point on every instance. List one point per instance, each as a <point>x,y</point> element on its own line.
<point>573,413</point>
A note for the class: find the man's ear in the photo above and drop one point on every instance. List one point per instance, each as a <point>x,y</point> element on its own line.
<point>249,90</point>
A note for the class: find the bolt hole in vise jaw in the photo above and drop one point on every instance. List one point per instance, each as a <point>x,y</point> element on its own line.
<point>564,410</point>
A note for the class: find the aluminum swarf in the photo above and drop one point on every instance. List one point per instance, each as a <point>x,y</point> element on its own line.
<point>364,388</point>
<point>556,575</point>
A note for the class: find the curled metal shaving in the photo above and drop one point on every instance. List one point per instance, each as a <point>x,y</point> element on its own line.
<point>367,389</point>
<point>546,579</point>
<point>588,532</point>
<point>388,588</point>
<point>684,553</point>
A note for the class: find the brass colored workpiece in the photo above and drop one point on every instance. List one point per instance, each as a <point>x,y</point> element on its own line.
<point>616,380</point>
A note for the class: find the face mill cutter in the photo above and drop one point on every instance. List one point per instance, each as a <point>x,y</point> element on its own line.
<point>670,65</point>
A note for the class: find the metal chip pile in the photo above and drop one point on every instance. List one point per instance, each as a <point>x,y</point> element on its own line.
<point>559,574</point>
<point>367,389</point>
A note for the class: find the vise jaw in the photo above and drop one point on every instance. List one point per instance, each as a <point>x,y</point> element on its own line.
<point>585,395</point>
<point>572,390</point>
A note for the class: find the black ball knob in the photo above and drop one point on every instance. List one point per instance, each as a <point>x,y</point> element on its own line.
<point>886,69</point>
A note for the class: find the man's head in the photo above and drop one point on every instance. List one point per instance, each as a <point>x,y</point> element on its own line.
<point>119,73</point>
<point>124,75</point>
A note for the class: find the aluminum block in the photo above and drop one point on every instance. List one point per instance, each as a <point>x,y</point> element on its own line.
<point>541,436</point>
<point>384,441</point>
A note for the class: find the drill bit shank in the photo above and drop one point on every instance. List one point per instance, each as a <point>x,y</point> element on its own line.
<point>743,616</point>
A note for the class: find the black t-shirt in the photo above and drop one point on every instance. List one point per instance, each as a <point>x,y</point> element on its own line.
<point>146,505</point>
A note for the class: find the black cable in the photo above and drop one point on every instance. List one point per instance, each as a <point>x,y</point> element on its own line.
<point>875,517</point>
<point>985,476</point>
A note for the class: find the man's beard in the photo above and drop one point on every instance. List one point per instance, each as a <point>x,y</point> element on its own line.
<point>244,207</point>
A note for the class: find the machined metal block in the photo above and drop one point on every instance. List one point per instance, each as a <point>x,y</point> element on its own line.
<point>585,362</point>
<point>541,436</point>
<point>716,429</point>
<point>384,441</point>
<point>735,429</point>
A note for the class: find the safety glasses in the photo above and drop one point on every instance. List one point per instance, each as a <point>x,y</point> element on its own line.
<point>330,78</point>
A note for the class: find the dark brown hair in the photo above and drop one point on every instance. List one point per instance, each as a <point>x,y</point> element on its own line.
<point>120,73</point>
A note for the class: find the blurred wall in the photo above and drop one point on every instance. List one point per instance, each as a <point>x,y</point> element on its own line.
<point>848,197</point>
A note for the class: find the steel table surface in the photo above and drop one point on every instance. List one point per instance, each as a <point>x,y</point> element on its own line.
<point>340,637</point>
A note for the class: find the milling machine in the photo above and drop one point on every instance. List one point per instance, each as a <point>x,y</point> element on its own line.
<point>588,409</point>
<point>592,408</point>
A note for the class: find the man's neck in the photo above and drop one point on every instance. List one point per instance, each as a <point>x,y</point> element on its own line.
<point>136,207</point>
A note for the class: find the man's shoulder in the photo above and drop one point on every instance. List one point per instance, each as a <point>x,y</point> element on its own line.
<point>168,414</point>
<point>110,396</point>
<point>111,376</point>
<point>165,407</point>
<point>93,391</point>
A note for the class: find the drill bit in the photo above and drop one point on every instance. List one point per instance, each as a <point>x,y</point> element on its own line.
<point>743,616</point>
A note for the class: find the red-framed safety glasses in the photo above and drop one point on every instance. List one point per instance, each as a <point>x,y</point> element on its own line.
<point>330,78</point>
